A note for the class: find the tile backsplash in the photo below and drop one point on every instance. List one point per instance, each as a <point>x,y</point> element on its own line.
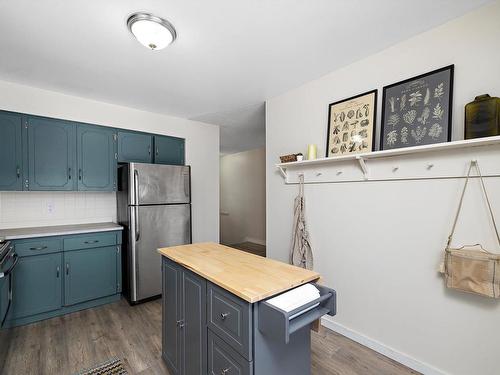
<point>31,209</point>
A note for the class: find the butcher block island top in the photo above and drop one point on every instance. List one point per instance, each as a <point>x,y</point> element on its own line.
<point>250,277</point>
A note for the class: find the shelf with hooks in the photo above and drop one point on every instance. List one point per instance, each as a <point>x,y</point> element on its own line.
<point>436,161</point>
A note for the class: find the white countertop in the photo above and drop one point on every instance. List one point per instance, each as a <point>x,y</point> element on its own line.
<point>58,230</point>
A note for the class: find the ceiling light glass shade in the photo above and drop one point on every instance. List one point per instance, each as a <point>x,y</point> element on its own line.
<point>152,32</point>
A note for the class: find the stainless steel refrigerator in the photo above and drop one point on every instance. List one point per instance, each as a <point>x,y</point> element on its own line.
<point>154,206</point>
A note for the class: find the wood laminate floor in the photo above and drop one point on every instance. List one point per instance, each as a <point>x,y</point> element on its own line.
<point>68,344</point>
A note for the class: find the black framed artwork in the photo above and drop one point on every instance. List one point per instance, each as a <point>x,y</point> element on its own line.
<point>417,111</point>
<point>351,125</point>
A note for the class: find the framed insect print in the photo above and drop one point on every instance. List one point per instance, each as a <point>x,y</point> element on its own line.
<point>351,125</point>
<point>417,111</point>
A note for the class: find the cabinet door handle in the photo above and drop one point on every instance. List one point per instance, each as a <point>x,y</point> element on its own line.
<point>58,270</point>
<point>149,150</point>
<point>18,172</point>
<point>225,371</point>
<point>157,151</point>
<point>67,268</point>
<point>224,315</point>
<point>89,242</point>
<point>38,248</point>
<point>69,173</point>
<point>80,174</point>
<point>180,323</point>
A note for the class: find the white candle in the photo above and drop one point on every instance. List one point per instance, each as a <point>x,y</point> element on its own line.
<point>312,152</point>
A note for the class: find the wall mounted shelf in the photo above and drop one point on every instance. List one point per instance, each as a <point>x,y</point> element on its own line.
<point>436,161</point>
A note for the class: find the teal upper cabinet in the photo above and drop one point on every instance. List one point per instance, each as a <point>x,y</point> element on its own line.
<point>134,147</point>
<point>169,150</point>
<point>40,153</point>
<point>10,151</point>
<point>51,154</point>
<point>37,281</point>
<point>96,158</point>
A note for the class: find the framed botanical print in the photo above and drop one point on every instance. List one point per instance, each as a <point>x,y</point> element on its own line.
<point>351,125</point>
<point>417,111</point>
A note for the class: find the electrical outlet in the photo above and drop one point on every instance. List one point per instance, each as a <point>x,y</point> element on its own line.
<point>51,208</point>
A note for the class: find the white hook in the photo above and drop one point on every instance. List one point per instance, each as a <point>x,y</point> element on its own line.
<point>430,166</point>
<point>318,174</point>
<point>339,173</point>
<point>395,169</point>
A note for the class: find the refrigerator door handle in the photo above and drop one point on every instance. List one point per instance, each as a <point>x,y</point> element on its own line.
<point>136,187</point>
<point>137,229</point>
<point>186,184</point>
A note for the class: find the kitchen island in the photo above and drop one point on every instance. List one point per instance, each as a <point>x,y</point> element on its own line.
<point>216,318</point>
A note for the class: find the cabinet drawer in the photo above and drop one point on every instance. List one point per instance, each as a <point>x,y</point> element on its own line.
<point>224,360</point>
<point>38,246</point>
<point>87,241</point>
<point>229,317</point>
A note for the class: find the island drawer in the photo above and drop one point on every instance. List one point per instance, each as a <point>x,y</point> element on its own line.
<point>280,325</point>
<point>87,241</point>
<point>222,359</point>
<point>230,318</point>
<point>38,246</point>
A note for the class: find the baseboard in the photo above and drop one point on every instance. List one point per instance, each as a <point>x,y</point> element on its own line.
<point>402,358</point>
<point>255,240</point>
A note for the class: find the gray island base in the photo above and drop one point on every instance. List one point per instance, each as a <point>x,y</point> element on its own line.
<point>209,330</point>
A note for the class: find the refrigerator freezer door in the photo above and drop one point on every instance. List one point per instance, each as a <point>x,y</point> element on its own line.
<point>159,184</point>
<point>154,227</point>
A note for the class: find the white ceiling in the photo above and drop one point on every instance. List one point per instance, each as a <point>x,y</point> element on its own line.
<point>229,57</point>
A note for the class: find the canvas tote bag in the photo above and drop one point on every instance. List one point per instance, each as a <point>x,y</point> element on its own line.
<point>472,269</point>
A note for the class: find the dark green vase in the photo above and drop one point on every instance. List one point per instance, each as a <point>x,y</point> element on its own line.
<point>482,117</point>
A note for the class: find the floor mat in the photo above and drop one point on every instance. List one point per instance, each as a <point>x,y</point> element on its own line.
<point>112,367</point>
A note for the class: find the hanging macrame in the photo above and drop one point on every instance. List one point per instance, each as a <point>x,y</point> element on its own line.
<point>301,252</point>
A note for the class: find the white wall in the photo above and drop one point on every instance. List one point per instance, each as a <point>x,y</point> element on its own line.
<point>243,197</point>
<point>31,209</point>
<point>202,153</point>
<point>378,243</point>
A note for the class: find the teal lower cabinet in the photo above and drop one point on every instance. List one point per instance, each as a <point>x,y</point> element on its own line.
<point>56,276</point>
<point>4,298</point>
<point>37,284</point>
<point>89,274</point>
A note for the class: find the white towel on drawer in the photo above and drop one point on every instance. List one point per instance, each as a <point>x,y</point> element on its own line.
<point>295,298</point>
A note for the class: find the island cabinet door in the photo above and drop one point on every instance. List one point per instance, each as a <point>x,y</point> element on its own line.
<point>193,326</point>
<point>171,342</point>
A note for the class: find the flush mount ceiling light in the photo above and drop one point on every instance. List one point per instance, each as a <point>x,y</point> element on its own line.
<point>152,32</point>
